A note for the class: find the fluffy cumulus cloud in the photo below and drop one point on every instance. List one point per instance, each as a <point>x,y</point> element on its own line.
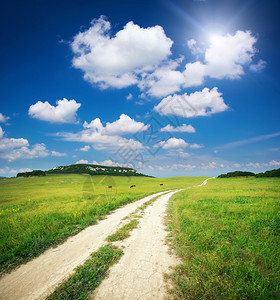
<point>224,58</point>
<point>183,128</point>
<point>109,136</point>
<point>141,56</point>
<point>65,111</point>
<point>163,81</point>
<point>116,61</point>
<point>172,143</point>
<point>202,103</point>
<point>227,54</point>
<point>124,125</point>
<point>3,119</point>
<point>194,74</point>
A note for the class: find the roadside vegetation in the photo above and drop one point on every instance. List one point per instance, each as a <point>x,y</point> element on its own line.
<point>39,212</point>
<point>123,232</point>
<point>227,234</point>
<point>88,276</point>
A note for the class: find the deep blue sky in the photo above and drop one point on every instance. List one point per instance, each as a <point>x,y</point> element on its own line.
<point>37,64</point>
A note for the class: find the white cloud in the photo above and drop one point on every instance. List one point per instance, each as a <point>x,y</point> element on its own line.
<point>203,103</point>
<point>194,74</point>
<point>258,165</point>
<point>124,125</point>
<point>111,163</point>
<point>226,55</point>
<point>274,163</point>
<point>183,166</point>
<point>11,143</point>
<point>85,149</point>
<point>18,148</point>
<point>3,119</point>
<point>183,128</point>
<point>163,81</point>
<point>183,154</point>
<point>7,171</point>
<point>259,66</point>
<point>224,58</point>
<point>140,56</point>
<point>58,154</point>
<point>81,161</point>
<point>36,151</point>
<point>196,146</point>
<point>1,132</point>
<point>172,143</point>
<point>173,167</point>
<point>254,165</point>
<point>192,44</point>
<point>116,61</point>
<point>64,112</point>
<point>211,165</point>
<point>108,136</point>
<point>129,96</point>
<point>100,141</point>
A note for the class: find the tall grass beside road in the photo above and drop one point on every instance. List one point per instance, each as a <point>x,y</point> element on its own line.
<point>227,234</point>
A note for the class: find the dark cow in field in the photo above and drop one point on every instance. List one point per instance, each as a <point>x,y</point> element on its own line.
<point>109,187</point>
<point>132,186</point>
<point>161,184</point>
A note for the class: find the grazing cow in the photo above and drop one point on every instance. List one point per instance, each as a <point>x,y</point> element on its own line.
<point>161,184</point>
<point>109,187</point>
<point>132,186</point>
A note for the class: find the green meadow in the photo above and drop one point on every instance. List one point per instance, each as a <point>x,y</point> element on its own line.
<point>39,212</point>
<point>227,235</point>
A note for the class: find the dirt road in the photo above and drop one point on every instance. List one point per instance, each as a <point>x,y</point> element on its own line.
<point>39,277</point>
<point>140,272</point>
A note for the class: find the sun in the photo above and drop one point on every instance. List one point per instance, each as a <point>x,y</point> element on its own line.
<point>214,37</point>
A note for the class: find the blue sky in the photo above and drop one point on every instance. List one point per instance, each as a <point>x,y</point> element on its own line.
<point>170,88</point>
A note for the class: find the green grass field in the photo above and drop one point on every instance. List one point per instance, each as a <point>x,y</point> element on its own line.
<point>227,234</point>
<point>38,212</point>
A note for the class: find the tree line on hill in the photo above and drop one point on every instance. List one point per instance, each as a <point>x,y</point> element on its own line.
<point>84,169</point>
<point>32,173</point>
<point>271,173</point>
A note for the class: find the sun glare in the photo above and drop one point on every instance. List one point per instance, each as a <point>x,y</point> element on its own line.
<point>214,37</point>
